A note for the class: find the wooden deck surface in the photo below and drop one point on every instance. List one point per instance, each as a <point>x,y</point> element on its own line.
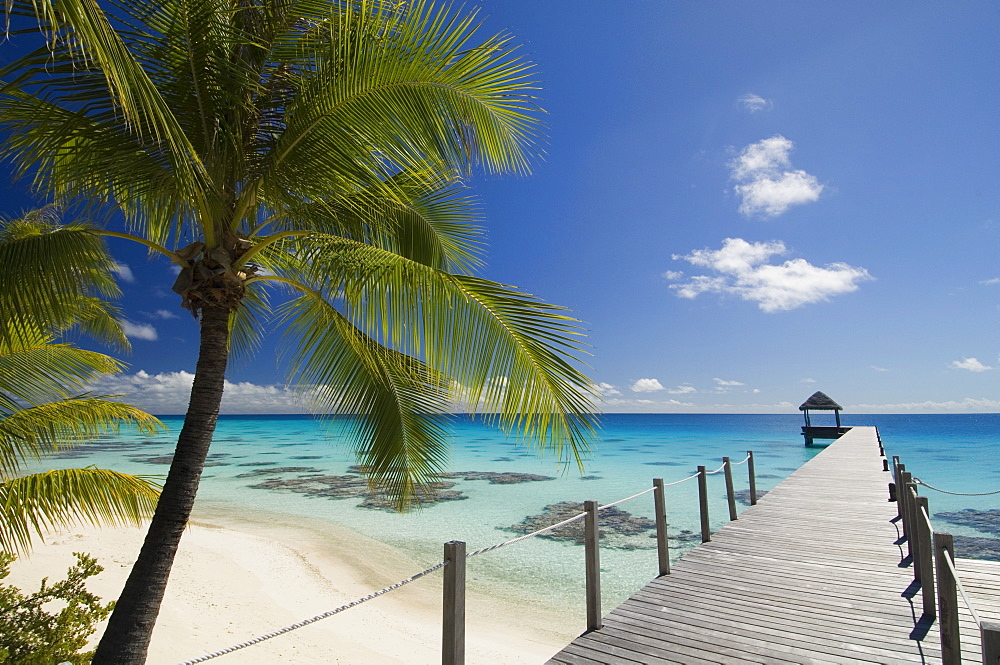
<point>812,574</point>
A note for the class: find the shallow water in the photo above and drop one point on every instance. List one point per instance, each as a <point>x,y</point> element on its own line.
<point>953,452</point>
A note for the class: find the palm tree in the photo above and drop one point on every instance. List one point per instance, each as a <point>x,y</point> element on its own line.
<point>303,162</point>
<point>43,406</point>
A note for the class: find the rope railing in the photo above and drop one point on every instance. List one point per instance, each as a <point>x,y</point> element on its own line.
<point>742,461</point>
<point>318,617</point>
<point>530,535</point>
<point>628,498</point>
<point>937,489</point>
<point>933,554</point>
<point>682,480</point>
<point>455,558</point>
<point>951,566</point>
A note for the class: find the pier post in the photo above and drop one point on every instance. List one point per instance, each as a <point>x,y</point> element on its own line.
<point>730,494</point>
<point>592,543</point>
<point>914,537</point>
<point>947,597</point>
<point>453,628</point>
<point>706,527</point>
<point>898,477</point>
<point>903,492</point>
<point>990,633</point>
<point>662,543</point>
<point>925,554</point>
<point>753,479</point>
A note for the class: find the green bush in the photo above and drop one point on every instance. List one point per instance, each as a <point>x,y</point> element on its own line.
<point>33,634</point>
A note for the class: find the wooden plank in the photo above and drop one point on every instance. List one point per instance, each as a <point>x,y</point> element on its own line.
<point>814,573</point>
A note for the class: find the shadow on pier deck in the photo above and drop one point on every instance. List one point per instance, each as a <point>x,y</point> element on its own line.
<point>815,573</point>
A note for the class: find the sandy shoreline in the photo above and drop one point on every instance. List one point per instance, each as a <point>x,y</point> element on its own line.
<point>235,579</point>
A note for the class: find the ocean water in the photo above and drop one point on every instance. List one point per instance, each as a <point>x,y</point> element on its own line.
<point>953,452</point>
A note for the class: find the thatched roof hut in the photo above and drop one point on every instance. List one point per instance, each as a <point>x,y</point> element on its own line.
<point>820,402</point>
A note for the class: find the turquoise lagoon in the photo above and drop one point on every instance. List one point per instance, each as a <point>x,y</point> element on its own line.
<point>953,452</point>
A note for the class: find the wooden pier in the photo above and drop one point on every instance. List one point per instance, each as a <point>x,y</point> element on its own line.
<point>817,572</point>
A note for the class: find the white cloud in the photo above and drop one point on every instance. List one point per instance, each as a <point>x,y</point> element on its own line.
<point>682,390</point>
<point>160,314</point>
<point>646,386</point>
<point>723,382</point>
<point>604,388</point>
<point>744,271</point>
<point>878,369</point>
<point>755,391</point>
<point>766,182</point>
<point>970,364</point>
<point>808,381</point>
<point>169,392</point>
<point>139,331</point>
<point>991,282</point>
<point>124,272</point>
<point>672,275</point>
<point>967,405</point>
<point>753,103</point>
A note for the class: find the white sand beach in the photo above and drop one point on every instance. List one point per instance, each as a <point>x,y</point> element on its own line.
<point>234,580</point>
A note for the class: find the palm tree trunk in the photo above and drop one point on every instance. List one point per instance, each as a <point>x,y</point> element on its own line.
<point>126,639</point>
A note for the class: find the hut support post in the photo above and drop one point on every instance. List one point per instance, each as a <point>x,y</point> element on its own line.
<point>453,629</point>
<point>662,543</point>
<point>592,553</point>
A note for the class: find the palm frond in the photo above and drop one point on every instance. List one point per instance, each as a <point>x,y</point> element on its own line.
<point>53,278</point>
<point>82,33</point>
<point>400,404</point>
<point>34,504</point>
<point>33,432</point>
<point>246,324</point>
<point>509,352</point>
<point>41,370</point>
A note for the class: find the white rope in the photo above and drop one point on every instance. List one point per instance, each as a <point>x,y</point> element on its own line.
<point>683,480</point>
<point>318,617</point>
<point>958,583</point>
<point>709,473</point>
<point>927,518</point>
<point>306,622</point>
<point>920,482</point>
<point>958,580</point>
<point>524,537</point>
<point>744,461</point>
<point>628,498</point>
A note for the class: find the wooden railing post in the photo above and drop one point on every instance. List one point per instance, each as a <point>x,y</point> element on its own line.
<point>662,543</point>
<point>913,540</point>
<point>753,478</point>
<point>925,554</point>
<point>904,496</point>
<point>895,479</point>
<point>990,633</point>
<point>592,543</point>
<point>453,629</point>
<point>706,527</point>
<point>947,597</point>
<point>730,493</point>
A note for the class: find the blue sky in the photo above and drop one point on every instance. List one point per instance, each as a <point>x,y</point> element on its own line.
<point>744,202</point>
